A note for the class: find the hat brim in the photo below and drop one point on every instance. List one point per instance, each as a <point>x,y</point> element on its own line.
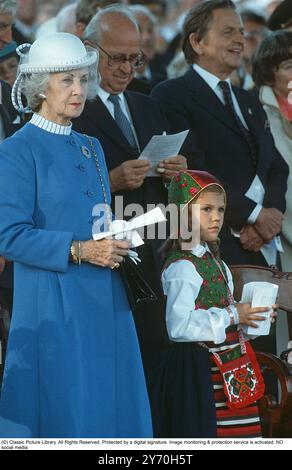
<point>203,189</point>
<point>88,60</point>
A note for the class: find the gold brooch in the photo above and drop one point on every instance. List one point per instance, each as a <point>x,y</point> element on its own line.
<point>85,151</point>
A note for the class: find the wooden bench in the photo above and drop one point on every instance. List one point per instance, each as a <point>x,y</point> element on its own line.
<point>276,415</point>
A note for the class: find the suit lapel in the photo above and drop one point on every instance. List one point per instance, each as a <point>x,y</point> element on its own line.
<point>247,111</point>
<point>98,113</point>
<point>207,99</point>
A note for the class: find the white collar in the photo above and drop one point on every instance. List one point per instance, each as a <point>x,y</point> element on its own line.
<point>211,79</point>
<point>267,96</point>
<point>50,126</point>
<point>105,94</point>
<point>200,250</point>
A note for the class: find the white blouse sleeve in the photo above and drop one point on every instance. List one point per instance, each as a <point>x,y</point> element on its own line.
<point>181,284</point>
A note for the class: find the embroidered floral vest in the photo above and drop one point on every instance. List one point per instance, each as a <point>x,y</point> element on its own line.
<point>213,292</point>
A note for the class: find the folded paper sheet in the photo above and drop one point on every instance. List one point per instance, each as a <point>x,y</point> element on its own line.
<point>121,229</point>
<point>260,294</point>
<point>161,147</point>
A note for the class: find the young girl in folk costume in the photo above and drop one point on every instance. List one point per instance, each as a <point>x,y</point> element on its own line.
<point>189,395</point>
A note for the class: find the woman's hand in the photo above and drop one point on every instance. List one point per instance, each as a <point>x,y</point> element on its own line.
<point>248,315</point>
<point>105,253</point>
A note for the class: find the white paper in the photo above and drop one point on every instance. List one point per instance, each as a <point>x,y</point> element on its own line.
<point>260,294</point>
<point>126,230</point>
<point>256,191</point>
<point>160,147</point>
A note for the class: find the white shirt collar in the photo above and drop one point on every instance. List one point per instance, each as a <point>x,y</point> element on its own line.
<point>211,79</point>
<point>200,250</point>
<point>50,126</point>
<point>105,94</point>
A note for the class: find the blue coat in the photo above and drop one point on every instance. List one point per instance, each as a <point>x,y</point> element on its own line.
<point>73,366</point>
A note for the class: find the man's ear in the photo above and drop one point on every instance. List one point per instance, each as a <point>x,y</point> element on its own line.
<point>195,44</point>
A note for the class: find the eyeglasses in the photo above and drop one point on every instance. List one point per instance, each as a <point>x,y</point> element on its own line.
<point>135,60</point>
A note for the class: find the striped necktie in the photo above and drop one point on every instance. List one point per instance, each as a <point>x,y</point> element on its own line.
<point>123,122</point>
<point>253,148</point>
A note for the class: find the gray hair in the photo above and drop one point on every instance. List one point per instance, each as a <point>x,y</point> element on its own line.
<point>8,6</point>
<point>35,84</point>
<point>66,19</point>
<point>92,31</point>
<point>142,10</point>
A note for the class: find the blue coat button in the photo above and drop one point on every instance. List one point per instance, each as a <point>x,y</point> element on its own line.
<point>81,167</point>
<point>89,193</point>
<point>72,141</point>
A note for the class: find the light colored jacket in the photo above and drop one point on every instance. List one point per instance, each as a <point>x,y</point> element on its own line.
<point>281,130</point>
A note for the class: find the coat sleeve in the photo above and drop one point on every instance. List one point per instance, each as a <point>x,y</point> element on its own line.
<point>278,172</point>
<point>20,239</point>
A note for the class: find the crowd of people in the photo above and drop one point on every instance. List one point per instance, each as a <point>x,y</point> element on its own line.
<point>84,87</point>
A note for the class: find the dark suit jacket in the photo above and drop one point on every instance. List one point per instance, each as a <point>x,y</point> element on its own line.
<point>189,102</point>
<point>148,120</point>
<point>7,111</point>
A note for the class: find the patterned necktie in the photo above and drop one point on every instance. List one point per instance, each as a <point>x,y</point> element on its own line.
<point>253,148</point>
<point>123,122</point>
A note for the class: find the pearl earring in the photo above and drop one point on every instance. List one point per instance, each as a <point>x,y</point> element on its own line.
<point>41,95</point>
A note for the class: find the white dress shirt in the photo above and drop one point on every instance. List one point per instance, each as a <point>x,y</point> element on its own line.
<point>213,81</point>
<point>181,284</point>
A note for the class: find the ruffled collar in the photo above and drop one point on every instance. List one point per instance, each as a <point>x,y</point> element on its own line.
<point>50,126</point>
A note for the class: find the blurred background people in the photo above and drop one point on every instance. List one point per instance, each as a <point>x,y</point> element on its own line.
<point>255,30</point>
<point>281,17</point>
<point>153,70</point>
<point>8,63</point>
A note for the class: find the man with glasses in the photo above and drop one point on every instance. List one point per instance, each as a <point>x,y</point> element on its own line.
<point>124,122</point>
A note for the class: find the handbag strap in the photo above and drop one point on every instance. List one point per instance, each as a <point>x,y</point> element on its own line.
<point>108,213</point>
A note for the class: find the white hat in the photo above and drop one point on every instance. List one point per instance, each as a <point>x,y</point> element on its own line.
<point>55,52</point>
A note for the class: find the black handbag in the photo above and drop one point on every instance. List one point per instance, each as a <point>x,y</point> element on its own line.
<point>138,290</point>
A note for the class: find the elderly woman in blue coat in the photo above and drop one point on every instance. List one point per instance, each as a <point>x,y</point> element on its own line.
<point>73,366</point>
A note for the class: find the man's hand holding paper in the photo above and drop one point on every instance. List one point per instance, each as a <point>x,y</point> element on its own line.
<point>129,175</point>
<point>171,166</point>
<point>163,153</point>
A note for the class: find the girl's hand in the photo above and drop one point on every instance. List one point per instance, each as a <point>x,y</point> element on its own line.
<point>248,315</point>
<point>105,253</point>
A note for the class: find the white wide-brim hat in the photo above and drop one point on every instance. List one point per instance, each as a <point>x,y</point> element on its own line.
<point>56,52</point>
